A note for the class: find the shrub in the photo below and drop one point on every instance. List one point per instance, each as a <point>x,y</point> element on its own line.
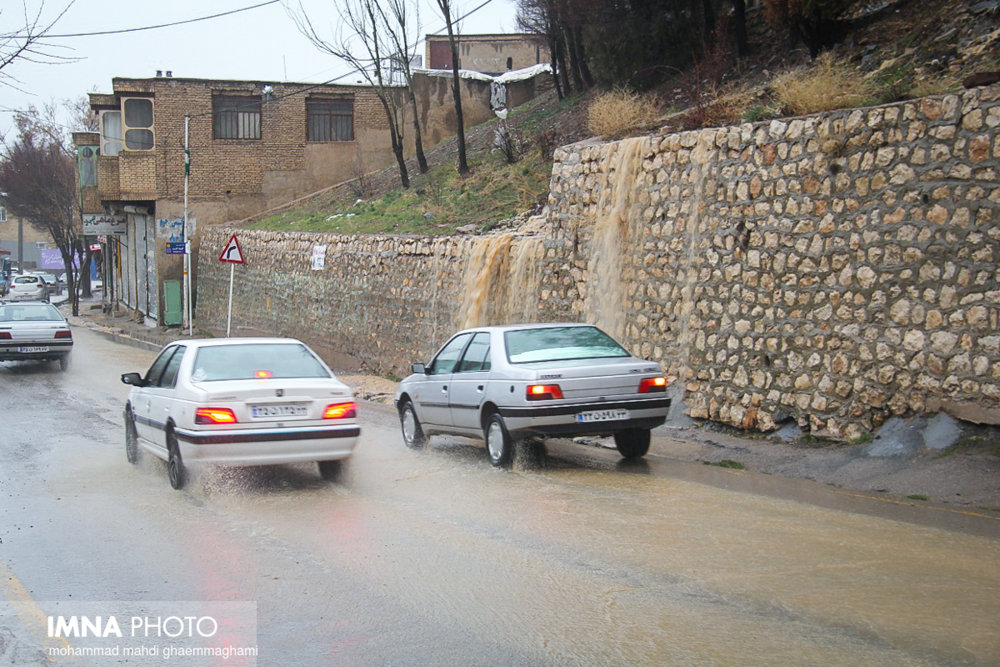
<point>614,113</point>
<point>826,85</point>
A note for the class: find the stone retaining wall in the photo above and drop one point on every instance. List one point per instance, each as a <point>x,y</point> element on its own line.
<point>834,269</point>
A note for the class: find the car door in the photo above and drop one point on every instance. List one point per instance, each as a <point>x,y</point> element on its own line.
<point>468,383</point>
<point>431,398</point>
<point>162,395</point>
<point>146,424</point>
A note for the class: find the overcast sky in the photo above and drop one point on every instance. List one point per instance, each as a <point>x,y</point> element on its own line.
<point>258,44</point>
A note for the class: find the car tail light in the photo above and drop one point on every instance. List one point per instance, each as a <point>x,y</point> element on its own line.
<point>5,335</point>
<point>543,392</point>
<point>262,375</point>
<point>341,411</point>
<point>214,416</point>
<point>64,334</point>
<point>652,385</point>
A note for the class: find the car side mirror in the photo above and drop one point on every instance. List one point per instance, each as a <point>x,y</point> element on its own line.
<point>418,369</point>
<point>133,379</point>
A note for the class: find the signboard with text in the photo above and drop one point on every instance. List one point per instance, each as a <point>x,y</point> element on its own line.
<point>103,223</point>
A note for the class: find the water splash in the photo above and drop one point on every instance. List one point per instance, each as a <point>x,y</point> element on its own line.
<point>619,206</point>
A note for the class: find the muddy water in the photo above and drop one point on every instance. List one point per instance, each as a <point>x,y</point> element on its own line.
<point>434,557</point>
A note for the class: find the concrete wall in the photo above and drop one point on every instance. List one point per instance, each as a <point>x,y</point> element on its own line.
<point>834,270</point>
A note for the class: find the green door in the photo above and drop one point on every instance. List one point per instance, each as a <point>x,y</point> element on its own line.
<point>172,302</point>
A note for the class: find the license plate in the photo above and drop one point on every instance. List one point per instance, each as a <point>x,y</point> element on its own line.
<point>33,348</point>
<point>278,411</point>
<point>602,415</point>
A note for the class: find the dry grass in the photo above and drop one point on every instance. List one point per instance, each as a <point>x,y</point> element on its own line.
<point>614,113</point>
<point>825,85</point>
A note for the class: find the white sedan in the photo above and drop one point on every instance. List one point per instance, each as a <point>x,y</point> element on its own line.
<point>503,383</point>
<point>241,402</point>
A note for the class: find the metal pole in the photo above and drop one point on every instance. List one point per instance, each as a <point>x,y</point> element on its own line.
<point>229,319</point>
<point>186,313</point>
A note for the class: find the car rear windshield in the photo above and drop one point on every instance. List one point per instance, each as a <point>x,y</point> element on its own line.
<point>560,343</point>
<point>30,313</point>
<point>256,361</point>
<point>23,280</point>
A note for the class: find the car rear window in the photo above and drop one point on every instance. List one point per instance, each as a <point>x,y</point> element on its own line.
<point>560,343</point>
<point>256,361</point>
<point>23,280</point>
<point>32,313</point>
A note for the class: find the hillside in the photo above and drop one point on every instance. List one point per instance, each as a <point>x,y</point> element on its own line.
<point>895,50</point>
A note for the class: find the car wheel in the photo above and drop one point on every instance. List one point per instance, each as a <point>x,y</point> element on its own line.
<point>413,434</point>
<point>632,443</point>
<point>175,466</point>
<point>329,470</point>
<point>131,438</point>
<point>499,444</point>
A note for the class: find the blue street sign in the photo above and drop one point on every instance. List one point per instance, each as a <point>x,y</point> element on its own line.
<point>175,248</point>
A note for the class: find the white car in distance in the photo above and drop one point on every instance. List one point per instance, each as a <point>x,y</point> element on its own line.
<point>239,402</point>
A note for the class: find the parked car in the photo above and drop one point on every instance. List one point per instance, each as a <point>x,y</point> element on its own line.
<point>51,283</point>
<point>27,288</point>
<point>504,383</point>
<point>241,402</point>
<point>34,331</point>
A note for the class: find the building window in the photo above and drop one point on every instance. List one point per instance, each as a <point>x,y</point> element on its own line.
<point>235,117</point>
<point>3,213</point>
<point>111,132</point>
<point>330,119</point>
<point>86,160</point>
<point>138,115</point>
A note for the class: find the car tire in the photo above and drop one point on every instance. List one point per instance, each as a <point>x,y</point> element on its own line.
<point>329,470</point>
<point>632,443</point>
<point>413,433</point>
<point>499,443</point>
<point>175,466</point>
<point>131,438</point>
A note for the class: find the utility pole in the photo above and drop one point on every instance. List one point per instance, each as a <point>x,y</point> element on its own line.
<point>187,244</point>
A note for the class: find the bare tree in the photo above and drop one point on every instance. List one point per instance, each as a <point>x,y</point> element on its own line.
<point>362,21</point>
<point>397,27</point>
<point>456,84</point>
<point>38,177</point>
<point>24,38</point>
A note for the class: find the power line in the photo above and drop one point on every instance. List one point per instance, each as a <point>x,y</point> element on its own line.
<point>150,27</point>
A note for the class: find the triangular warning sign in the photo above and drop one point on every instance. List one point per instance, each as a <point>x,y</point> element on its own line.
<point>232,252</point>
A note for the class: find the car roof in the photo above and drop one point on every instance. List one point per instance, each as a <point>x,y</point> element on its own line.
<point>518,327</point>
<point>218,342</point>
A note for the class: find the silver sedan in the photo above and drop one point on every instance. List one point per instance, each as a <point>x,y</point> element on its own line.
<point>35,331</point>
<point>503,383</point>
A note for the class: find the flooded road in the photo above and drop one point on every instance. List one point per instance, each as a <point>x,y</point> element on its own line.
<point>433,557</point>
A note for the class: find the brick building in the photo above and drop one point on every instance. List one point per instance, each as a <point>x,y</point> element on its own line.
<point>489,54</point>
<point>252,145</point>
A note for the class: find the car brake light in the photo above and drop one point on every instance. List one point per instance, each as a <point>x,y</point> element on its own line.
<point>651,385</point>
<point>340,411</point>
<point>262,375</point>
<point>5,335</point>
<point>214,416</point>
<point>543,392</point>
<point>64,334</point>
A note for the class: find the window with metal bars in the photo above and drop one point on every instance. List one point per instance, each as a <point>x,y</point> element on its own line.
<point>235,117</point>
<point>330,119</point>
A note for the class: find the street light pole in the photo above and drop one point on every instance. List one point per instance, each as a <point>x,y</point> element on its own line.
<point>187,245</point>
